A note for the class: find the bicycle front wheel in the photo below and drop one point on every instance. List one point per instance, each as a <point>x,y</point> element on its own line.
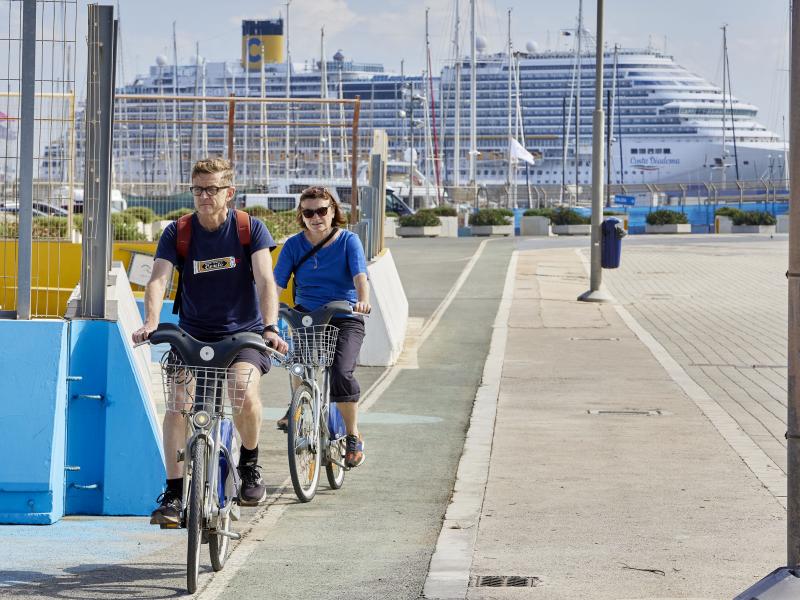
<point>194,521</point>
<point>303,442</point>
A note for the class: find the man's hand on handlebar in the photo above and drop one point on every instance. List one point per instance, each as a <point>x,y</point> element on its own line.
<point>140,335</point>
<point>362,307</point>
<point>275,341</point>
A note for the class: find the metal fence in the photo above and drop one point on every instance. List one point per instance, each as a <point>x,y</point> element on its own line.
<point>37,112</point>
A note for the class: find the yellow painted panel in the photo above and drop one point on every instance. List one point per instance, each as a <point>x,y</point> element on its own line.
<point>57,270</point>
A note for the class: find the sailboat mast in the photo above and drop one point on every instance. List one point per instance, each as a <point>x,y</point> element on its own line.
<point>264,154</point>
<point>175,131</point>
<point>509,158</point>
<point>473,109</point>
<point>288,92</point>
<point>579,62</point>
<point>457,124</point>
<point>433,113</point>
<point>733,121</point>
<point>724,94</point>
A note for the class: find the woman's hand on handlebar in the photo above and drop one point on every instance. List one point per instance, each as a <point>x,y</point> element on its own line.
<point>362,307</point>
<point>140,335</point>
<point>275,342</point>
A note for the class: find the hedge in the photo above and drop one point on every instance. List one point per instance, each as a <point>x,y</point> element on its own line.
<point>445,211</point>
<point>666,217</point>
<point>422,218</point>
<point>754,217</point>
<point>490,216</point>
<point>568,216</point>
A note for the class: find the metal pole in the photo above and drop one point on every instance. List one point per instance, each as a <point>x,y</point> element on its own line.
<point>411,146</point>
<point>793,400</point>
<point>26,137</point>
<point>457,122</point>
<point>96,250</point>
<point>231,120</point>
<point>473,107</point>
<point>354,163</point>
<point>595,280</point>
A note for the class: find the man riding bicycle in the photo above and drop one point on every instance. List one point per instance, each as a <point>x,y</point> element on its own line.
<point>225,287</point>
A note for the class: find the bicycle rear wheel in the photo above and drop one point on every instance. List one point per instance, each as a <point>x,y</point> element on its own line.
<point>303,444</point>
<point>334,449</point>
<point>218,544</point>
<point>194,521</point>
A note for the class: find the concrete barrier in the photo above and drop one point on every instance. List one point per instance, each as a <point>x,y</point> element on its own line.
<point>33,359</point>
<point>535,226</point>
<point>386,325</point>
<point>390,227</point>
<point>449,226</point>
<point>783,224</point>
<point>723,224</point>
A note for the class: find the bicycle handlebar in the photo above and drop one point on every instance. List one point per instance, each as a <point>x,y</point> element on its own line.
<point>211,354</point>
<point>320,316</point>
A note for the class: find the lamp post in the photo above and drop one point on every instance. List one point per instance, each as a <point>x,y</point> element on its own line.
<point>595,294</point>
<point>412,100</point>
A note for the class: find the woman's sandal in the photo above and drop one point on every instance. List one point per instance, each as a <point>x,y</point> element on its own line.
<point>283,422</point>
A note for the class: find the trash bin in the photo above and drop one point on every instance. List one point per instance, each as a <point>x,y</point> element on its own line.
<point>611,243</point>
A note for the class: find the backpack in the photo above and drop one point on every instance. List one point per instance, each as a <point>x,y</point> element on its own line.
<point>184,238</point>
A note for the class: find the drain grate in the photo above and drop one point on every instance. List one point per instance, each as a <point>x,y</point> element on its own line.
<point>503,581</point>
<point>646,413</point>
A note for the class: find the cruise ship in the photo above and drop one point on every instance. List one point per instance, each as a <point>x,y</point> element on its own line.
<point>669,125</point>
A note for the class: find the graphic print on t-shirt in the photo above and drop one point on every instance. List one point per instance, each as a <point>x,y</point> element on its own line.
<point>214,264</point>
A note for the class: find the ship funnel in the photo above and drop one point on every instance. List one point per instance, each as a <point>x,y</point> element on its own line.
<point>261,38</point>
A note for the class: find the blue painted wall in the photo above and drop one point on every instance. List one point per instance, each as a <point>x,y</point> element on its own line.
<point>166,311</point>
<point>115,439</point>
<point>33,367</point>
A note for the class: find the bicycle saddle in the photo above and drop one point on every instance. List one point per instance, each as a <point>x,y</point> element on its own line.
<point>320,316</point>
<point>209,354</point>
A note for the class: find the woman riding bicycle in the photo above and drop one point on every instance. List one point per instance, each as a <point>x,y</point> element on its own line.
<point>337,270</point>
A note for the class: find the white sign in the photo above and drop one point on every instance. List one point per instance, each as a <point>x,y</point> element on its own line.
<point>141,268</point>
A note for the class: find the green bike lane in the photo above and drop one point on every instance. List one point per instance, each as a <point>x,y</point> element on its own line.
<point>373,538</point>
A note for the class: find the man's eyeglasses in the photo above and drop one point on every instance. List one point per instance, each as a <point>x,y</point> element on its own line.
<point>211,190</point>
<point>309,213</point>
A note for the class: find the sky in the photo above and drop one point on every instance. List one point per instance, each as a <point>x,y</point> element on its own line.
<point>388,31</point>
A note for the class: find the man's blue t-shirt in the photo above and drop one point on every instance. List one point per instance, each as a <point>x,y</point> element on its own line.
<point>219,295</point>
<point>325,277</point>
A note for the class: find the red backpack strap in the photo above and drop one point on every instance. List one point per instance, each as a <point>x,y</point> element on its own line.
<point>243,227</point>
<point>184,225</point>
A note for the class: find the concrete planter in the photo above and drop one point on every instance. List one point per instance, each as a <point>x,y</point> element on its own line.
<point>754,229</point>
<point>783,224</point>
<point>449,226</point>
<point>493,230</point>
<point>534,226</point>
<point>671,228</point>
<point>572,229</point>
<point>723,224</point>
<point>390,227</point>
<point>431,231</point>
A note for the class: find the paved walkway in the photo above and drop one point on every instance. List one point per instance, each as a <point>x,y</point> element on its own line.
<point>613,474</point>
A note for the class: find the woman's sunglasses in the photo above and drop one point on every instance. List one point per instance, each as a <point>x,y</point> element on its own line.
<point>309,213</point>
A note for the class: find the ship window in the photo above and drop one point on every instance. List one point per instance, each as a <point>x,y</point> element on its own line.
<point>747,162</point>
<point>642,150</point>
<point>667,151</point>
<point>659,150</point>
<point>649,150</point>
<point>634,151</point>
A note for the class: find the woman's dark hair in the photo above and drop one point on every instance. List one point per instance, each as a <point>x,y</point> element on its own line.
<point>317,192</point>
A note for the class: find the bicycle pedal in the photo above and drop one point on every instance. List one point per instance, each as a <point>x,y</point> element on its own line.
<point>170,526</point>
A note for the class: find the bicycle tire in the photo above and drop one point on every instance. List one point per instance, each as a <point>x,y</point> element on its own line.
<point>334,449</point>
<point>194,522</point>
<point>303,455</point>
<point>218,545</point>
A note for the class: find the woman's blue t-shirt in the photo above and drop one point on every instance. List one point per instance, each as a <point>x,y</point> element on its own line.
<point>325,277</point>
<point>219,294</point>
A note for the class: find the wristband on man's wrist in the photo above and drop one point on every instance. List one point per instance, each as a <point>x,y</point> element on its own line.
<point>271,327</point>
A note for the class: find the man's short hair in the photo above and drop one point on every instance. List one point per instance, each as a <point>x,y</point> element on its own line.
<point>215,165</point>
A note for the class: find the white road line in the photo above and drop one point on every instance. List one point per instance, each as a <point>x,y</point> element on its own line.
<point>448,574</point>
<point>257,529</point>
<point>252,535</point>
<point>763,467</point>
<point>387,377</point>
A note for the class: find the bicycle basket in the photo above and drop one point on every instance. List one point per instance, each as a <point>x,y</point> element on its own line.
<point>190,389</point>
<point>312,346</point>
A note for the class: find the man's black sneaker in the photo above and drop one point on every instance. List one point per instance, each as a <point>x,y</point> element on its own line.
<point>253,490</point>
<point>355,451</point>
<point>169,511</point>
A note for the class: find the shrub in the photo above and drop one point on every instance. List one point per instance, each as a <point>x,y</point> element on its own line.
<point>490,216</point>
<point>124,230</point>
<point>754,217</point>
<point>666,217</point>
<point>259,212</point>
<point>422,218</point>
<point>391,214</point>
<point>49,227</point>
<point>568,216</point>
<point>445,211</point>
<point>539,212</point>
<point>612,213</point>
<point>727,211</point>
<point>142,213</point>
<point>176,214</point>
<point>77,222</point>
